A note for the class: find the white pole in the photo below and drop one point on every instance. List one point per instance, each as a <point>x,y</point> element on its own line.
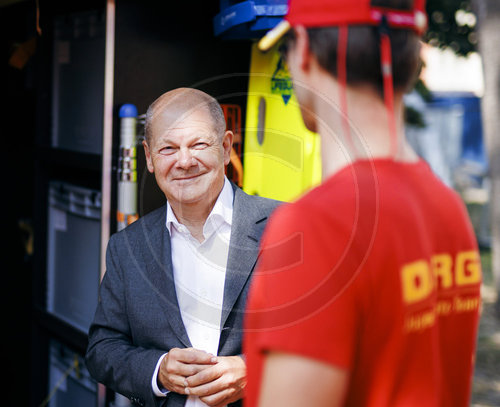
<point>127,172</point>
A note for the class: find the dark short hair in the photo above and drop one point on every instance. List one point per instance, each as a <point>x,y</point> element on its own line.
<point>363,51</point>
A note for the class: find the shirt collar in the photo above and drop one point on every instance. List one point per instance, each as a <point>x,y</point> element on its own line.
<point>222,212</point>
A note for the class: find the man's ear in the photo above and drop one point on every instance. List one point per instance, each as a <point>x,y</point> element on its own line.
<point>303,53</point>
<point>227,144</point>
<point>149,160</point>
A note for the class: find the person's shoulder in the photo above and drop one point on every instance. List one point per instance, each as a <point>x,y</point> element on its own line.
<point>328,205</point>
<point>262,204</point>
<point>266,203</point>
<point>324,198</point>
<point>143,226</point>
<point>291,217</point>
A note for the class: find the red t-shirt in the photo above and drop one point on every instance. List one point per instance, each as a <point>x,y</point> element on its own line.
<point>376,271</point>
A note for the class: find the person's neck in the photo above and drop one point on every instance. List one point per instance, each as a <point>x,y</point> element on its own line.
<point>369,134</point>
<point>194,215</point>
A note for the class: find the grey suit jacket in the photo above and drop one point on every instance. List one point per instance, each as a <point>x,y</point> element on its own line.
<point>138,317</point>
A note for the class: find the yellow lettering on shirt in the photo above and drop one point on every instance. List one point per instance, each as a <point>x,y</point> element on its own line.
<point>465,304</point>
<point>421,321</point>
<point>441,265</point>
<point>468,268</point>
<point>417,281</point>
<point>443,307</point>
<point>420,278</point>
<point>441,273</point>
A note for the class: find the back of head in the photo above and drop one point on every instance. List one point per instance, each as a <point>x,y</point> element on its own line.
<point>363,58</point>
<point>367,23</point>
<point>179,104</point>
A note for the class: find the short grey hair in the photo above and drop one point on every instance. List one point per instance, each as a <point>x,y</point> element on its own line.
<point>187,100</point>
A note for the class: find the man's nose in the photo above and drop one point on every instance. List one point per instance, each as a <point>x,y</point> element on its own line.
<point>185,158</point>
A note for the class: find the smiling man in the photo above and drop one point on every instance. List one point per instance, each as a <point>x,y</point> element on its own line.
<point>168,326</point>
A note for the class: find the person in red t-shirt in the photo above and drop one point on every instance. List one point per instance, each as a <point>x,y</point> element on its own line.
<point>367,291</point>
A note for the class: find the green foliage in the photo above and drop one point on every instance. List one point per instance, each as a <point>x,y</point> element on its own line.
<point>452,25</point>
<point>423,90</point>
<point>413,117</point>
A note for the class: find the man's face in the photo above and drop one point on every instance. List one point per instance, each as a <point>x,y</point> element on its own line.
<point>187,157</point>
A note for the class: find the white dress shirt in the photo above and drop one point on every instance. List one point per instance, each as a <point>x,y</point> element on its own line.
<point>199,274</point>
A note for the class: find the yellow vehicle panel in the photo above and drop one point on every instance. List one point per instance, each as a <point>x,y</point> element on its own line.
<point>281,157</point>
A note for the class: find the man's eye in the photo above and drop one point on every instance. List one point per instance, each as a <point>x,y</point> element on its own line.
<point>200,146</point>
<point>167,150</point>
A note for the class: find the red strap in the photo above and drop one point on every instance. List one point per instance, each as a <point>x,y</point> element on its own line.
<point>342,79</point>
<point>386,66</point>
<point>411,20</point>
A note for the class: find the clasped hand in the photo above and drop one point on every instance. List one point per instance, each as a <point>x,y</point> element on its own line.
<point>217,380</point>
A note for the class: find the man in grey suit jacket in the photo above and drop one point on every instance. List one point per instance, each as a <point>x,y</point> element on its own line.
<point>168,326</point>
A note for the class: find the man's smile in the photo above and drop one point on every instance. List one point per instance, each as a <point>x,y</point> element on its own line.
<point>188,177</point>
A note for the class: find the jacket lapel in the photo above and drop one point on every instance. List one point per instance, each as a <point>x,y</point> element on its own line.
<point>160,270</point>
<point>247,225</point>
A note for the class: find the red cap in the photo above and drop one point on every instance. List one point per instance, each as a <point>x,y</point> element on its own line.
<point>322,13</point>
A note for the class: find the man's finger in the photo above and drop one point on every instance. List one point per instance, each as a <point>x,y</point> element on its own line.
<point>176,384</point>
<point>218,399</point>
<point>191,355</point>
<point>204,376</point>
<point>187,369</point>
<point>206,389</point>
